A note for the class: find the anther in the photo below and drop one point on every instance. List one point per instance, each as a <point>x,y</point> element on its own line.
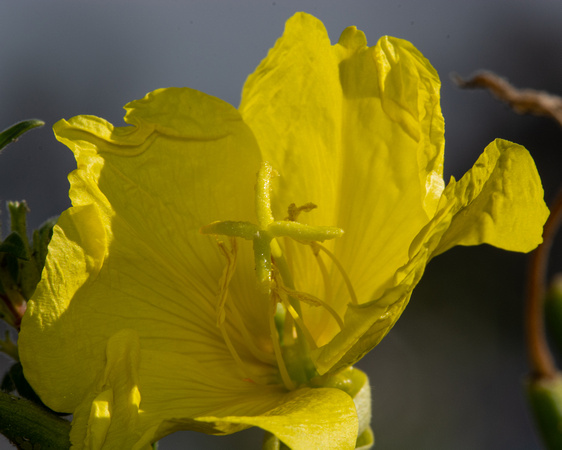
<point>295,211</point>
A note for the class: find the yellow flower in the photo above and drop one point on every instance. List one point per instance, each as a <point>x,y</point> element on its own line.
<point>150,317</point>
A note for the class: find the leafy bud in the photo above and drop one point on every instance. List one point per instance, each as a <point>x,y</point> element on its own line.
<point>545,399</point>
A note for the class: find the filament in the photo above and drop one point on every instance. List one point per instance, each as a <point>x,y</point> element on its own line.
<point>276,346</point>
<point>347,281</point>
<point>325,277</point>
<point>298,320</point>
<point>314,301</point>
<point>259,354</point>
<point>233,352</point>
<point>231,256</point>
<point>224,282</point>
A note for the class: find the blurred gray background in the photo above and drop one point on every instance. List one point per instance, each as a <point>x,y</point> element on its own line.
<point>450,374</point>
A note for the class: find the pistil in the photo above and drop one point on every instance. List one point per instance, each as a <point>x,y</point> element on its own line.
<point>291,338</point>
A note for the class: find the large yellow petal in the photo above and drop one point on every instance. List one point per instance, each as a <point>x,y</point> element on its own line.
<point>122,330</point>
<point>132,404</point>
<point>359,132</point>
<point>309,418</point>
<point>367,324</point>
<point>140,195</point>
<point>498,202</point>
<point>108,416</point>
<point>76,254</point>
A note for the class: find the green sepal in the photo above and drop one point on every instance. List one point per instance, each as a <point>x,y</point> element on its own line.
<point>355,383</point>
<point>11,134</point>
<point>14,245</point>
<point>29,426</point>
<point>41,238</point>
<point>20,264</point>
<point>366,440</point>
<point>27,271</point>
<point>350,380</point>
<point>9,272</point>
<point>545,400</point>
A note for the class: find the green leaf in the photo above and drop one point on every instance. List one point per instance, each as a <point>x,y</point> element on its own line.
<point>15,246</point>
<point>11,134</point>
<point>545,401</point>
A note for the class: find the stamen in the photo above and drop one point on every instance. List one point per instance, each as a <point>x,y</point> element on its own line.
<point>289,337</point>
<point>313,301</point>
<point>224,282</point>
<point>288,303</point>
<point>303,232</point>
<point>228,271</point>
<point>259,354</point>
<point>288,331</point>
<point>276,346</point>
<point>245,230</point>
<point>234,353</point>
<point>294,211</point>
<point>325,277</point>
<point>298,320</point>
<point>315,247</point>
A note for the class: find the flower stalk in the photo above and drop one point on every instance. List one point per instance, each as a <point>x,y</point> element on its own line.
<point>28,425</point>
<point>540,358</point>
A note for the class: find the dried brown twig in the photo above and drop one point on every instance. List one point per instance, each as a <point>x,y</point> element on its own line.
<point>523,101</point>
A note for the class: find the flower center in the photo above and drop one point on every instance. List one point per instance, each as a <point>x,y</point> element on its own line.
<point>291,338</point>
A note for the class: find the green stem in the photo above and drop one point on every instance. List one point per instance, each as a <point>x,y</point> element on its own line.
<point>541,360</point>
<point>18,219</point>
<point>28,425</point>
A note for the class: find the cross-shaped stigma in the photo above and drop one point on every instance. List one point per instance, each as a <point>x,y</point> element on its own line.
<point>268,229</point>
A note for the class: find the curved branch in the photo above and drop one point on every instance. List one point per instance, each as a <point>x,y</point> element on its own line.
<point>540,357</point>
